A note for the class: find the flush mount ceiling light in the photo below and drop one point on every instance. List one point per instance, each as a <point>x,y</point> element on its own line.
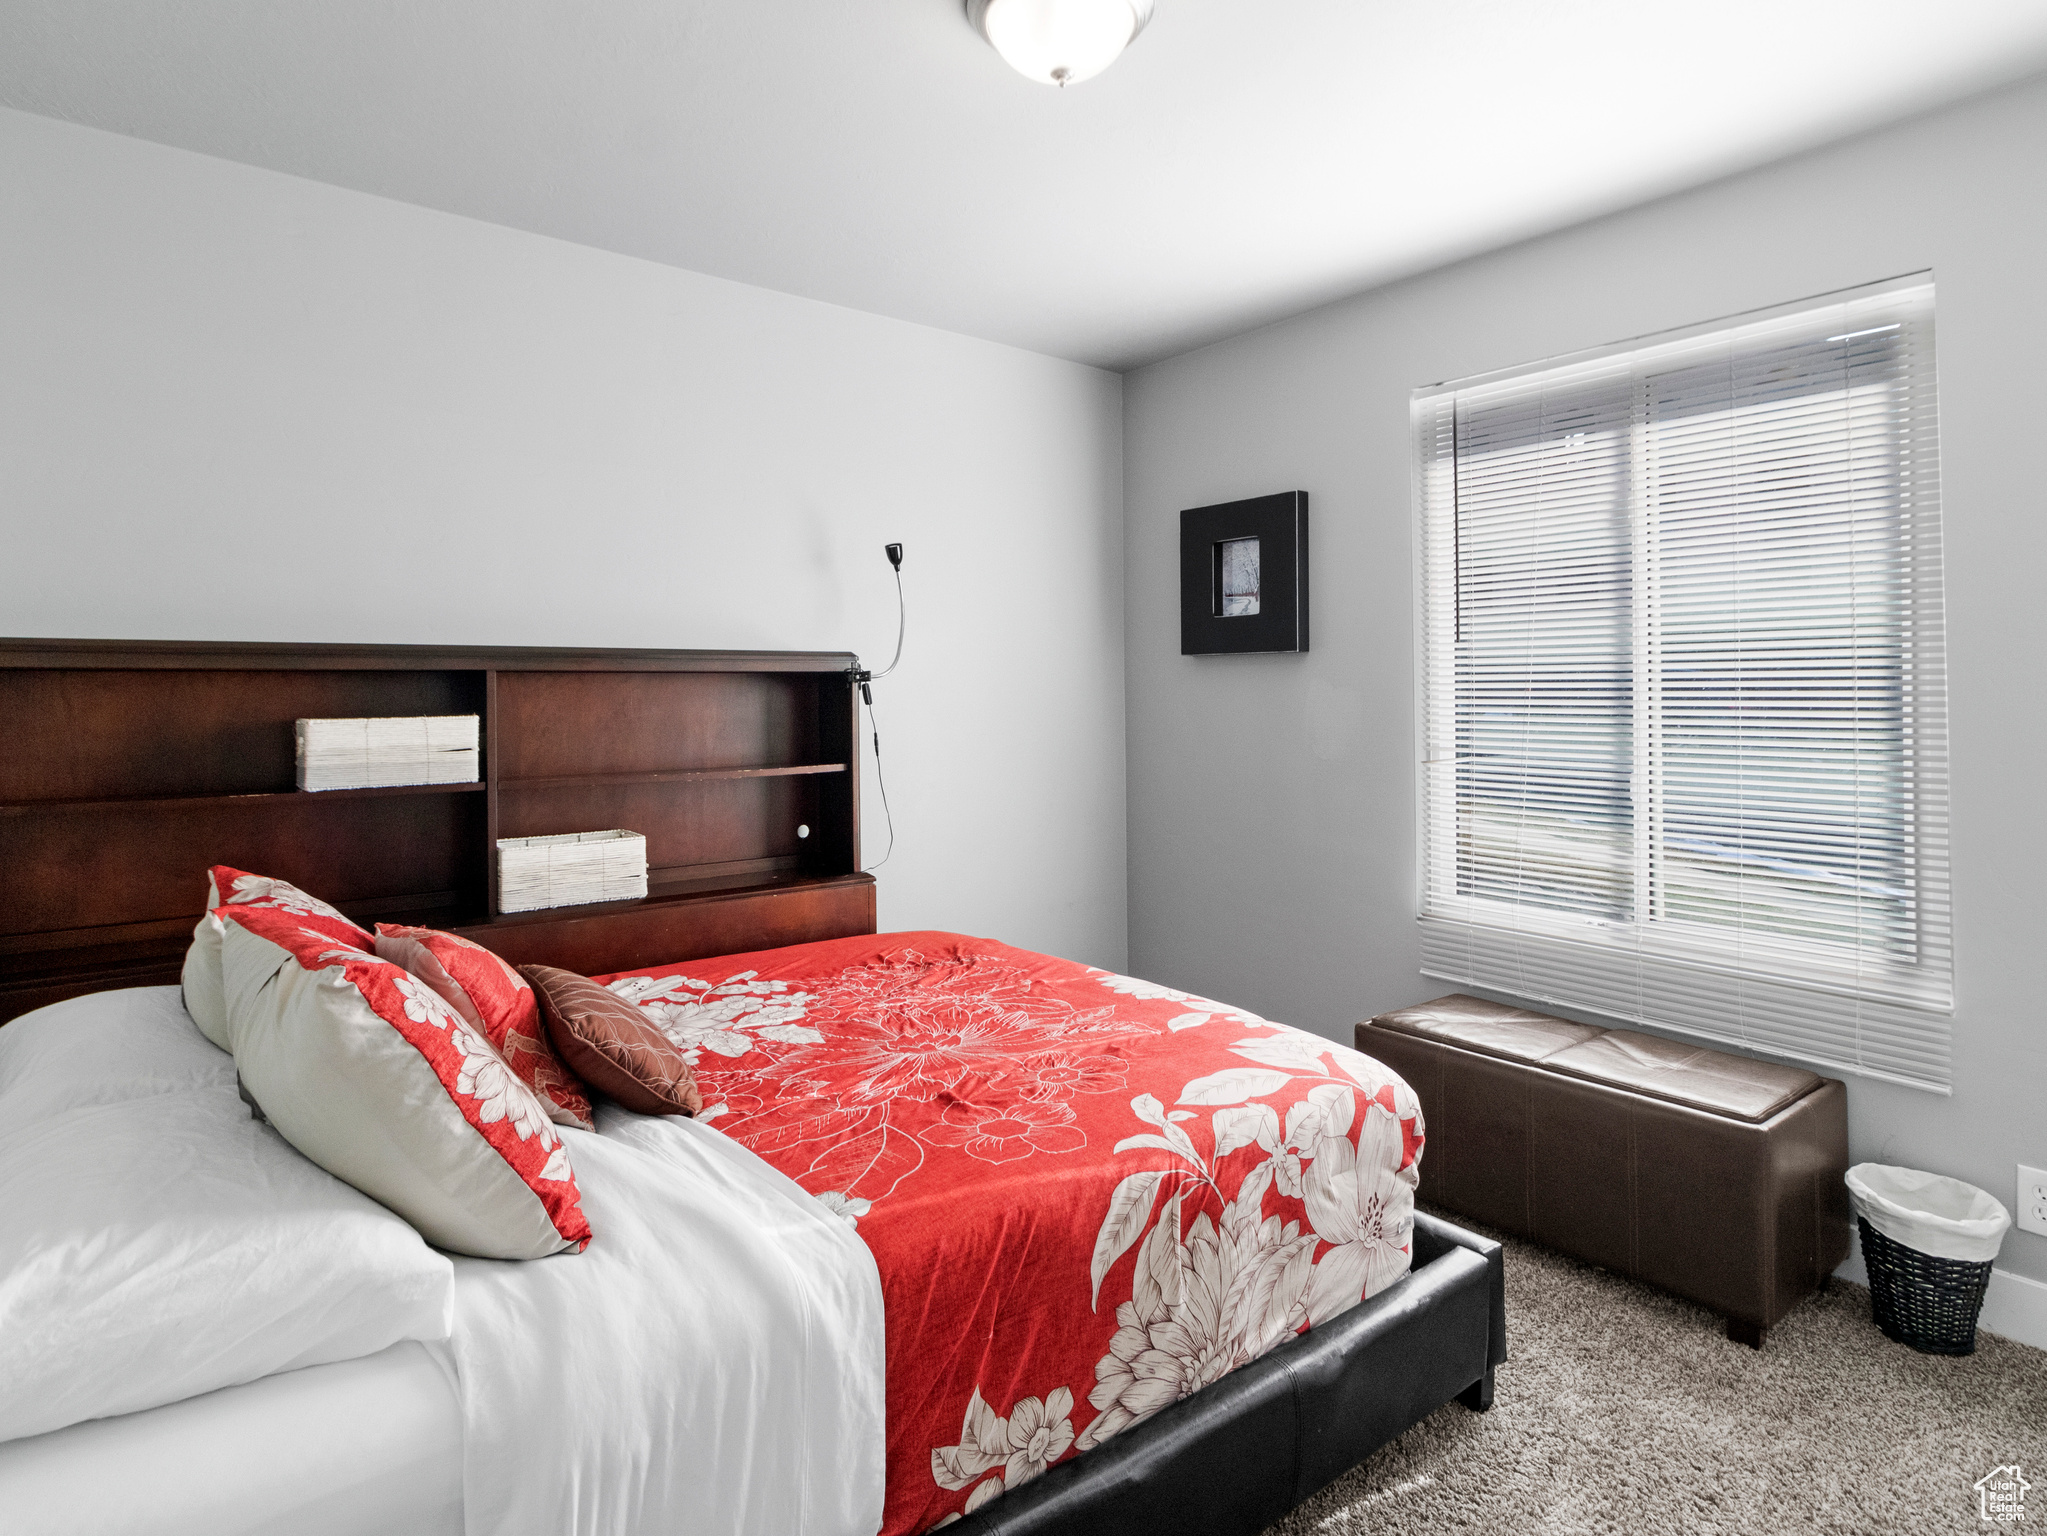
<point>1057,42</point>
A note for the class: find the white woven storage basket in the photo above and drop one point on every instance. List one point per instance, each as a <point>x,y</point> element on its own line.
<point>570,870</point>
<point>388,750</point>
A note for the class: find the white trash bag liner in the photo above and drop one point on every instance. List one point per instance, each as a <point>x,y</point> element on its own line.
<point>1942,1217</point>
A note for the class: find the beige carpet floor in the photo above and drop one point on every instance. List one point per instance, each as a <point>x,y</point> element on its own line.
<point>1623,1409</point>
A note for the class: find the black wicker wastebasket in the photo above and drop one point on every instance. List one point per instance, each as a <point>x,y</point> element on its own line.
<point>1926,1302</point>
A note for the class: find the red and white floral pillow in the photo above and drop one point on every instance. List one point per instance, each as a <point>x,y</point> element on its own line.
<point>496,999</point>
<point>205,998</point>
<point>370,1073</point>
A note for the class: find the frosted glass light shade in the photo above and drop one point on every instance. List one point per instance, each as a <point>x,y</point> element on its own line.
<point>1058,42</point>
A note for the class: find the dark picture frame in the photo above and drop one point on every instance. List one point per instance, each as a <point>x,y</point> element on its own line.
<point>1244,576</point>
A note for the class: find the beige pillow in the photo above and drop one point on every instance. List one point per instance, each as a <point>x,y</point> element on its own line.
<point>205,996</point>
<point>369,1073</point>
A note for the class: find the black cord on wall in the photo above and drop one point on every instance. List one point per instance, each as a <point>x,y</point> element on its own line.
<point>887,814</point>
<point>895,560</point>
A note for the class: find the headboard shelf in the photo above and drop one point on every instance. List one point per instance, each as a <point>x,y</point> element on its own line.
<point>246,655</point>
<point>228,797</point>
<point>134,765</point>
<point>674,776</point>
<point>719,919</point>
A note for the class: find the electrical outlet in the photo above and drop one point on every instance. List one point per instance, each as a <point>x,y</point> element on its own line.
<point>2032,1211</point>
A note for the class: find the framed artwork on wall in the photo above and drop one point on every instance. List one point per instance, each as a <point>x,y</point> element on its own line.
<point>1244,576</point>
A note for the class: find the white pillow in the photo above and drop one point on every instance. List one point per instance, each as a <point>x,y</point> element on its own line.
<point>102,1048</point>
<point>157,1242</point>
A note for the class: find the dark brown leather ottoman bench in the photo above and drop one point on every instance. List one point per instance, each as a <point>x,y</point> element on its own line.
<point>1711,1175</point>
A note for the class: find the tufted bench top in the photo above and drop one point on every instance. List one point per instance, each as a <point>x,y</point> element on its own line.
<point>1715,1082</point>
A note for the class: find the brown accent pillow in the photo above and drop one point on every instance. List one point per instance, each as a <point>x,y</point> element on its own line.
<point>611,1045</point>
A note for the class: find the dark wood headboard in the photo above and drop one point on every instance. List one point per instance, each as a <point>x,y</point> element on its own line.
<point>132,766</point>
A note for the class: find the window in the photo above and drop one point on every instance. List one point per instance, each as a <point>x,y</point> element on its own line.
<point>1683,700</point>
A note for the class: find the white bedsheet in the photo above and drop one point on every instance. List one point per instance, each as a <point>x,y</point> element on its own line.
<point>366,1447</point>
<point>713,1362</point>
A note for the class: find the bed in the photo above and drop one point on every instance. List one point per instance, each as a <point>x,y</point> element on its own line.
<point>961,1236</point>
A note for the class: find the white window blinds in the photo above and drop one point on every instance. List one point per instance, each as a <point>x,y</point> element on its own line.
<point>1683,691</point>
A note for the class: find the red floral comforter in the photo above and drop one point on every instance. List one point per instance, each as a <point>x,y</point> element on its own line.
<point>1087,1195</point>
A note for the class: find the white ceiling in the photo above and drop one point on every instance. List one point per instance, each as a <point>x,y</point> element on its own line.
<point>1246,159</point>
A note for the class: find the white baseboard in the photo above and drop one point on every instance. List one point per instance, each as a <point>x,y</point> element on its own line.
<point>2014,1307</point>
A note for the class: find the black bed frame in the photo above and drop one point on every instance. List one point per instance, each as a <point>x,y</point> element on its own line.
<point>139,763</point>
<point>1239,1454</point>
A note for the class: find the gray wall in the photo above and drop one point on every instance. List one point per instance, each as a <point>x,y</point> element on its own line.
<point>1272,798</point>
<point>236,405</point>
